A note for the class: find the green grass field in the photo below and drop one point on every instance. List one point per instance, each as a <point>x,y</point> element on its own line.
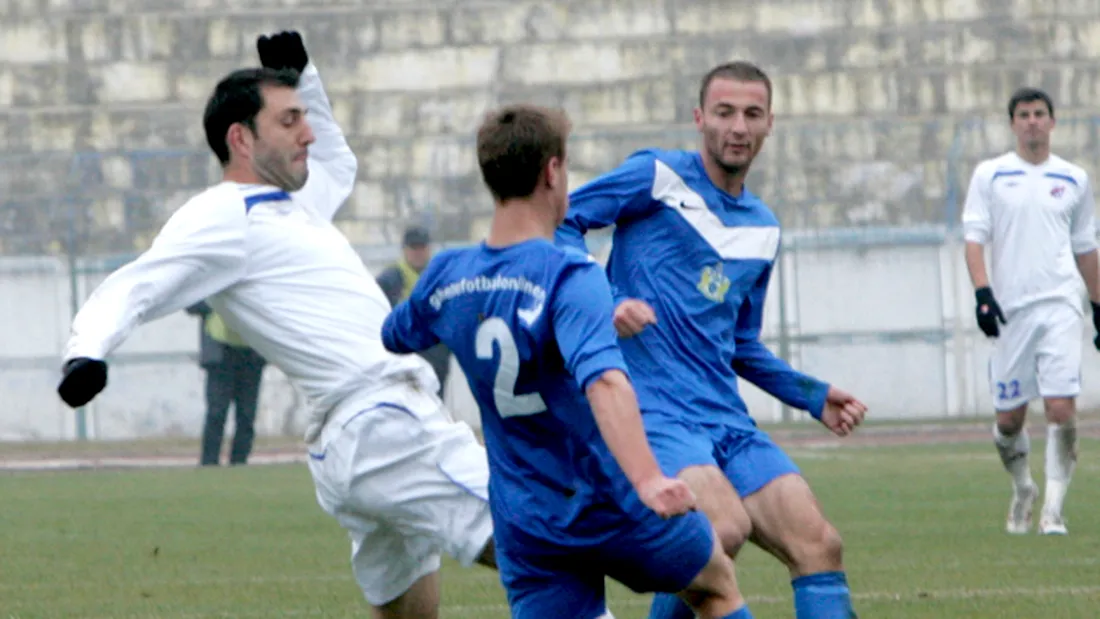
<point>922,525</point>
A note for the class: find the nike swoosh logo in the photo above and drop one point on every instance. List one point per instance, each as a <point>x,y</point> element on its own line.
<point>529,316</point>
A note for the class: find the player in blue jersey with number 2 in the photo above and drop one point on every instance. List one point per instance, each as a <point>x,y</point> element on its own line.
<point>691,257</point>
<point>575,491</point>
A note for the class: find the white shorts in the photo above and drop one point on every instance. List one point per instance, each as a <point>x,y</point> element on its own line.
<point>1038,354</point>
<point>407,483</point>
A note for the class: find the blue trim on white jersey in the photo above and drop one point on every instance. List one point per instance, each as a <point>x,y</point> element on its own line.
<point>271,196</point>
<point>1006,173</point>
<point>1064,177</point>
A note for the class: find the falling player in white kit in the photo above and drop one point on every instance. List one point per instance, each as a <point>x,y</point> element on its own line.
<point>389,464</point>
<point>1035,211</point>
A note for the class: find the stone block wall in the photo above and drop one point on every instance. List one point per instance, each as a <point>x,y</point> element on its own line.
<point>881,104</point>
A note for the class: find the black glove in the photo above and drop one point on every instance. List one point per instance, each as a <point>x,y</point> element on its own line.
<point>284,50</point>
<point>1096,324</point>
<point>83,379</point>
<point>988,312</point>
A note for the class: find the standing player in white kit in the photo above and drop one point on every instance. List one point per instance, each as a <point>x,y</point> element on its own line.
<point>1035,210</point>
<point>389,464</point>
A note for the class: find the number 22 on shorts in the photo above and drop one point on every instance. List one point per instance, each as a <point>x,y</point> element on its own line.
<point>1009,390</point>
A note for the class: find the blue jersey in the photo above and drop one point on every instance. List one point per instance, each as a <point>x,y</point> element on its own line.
<point>702,259</point>
<point>531,326</point>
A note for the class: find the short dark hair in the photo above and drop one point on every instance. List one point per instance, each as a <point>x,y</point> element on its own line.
<point>514,144</point>
<point>416,236</point>
<point>1028,94</point>
<point>738,70</point>
<point>238,98</point>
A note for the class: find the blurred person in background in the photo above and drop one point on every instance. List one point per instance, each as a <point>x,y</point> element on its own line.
<point>233,376</point>
<point>1035,212</point>
<point>398,280</point>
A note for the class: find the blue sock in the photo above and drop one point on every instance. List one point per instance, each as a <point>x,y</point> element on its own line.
<point>670,606</point>
<point>822,596</point>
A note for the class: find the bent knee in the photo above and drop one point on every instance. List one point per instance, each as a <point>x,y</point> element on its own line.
<point>818,550</point>
<point>716,584</point>
<point>733,531</point>
<point>832,545</point>
<point>721,505</point>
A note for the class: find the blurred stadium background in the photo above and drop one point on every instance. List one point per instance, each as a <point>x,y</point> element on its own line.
<point>882,112</point>
<point>883,109</point>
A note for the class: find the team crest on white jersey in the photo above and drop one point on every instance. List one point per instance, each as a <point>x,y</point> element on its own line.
<point>713,283</point>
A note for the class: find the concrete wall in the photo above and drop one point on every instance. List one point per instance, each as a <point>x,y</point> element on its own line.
<point>100,100</point>
<point>893,324</point>
<point>883,108</point>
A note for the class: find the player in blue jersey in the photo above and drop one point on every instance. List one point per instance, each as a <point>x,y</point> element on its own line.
<point>575,491</point>
<point>691,257</point>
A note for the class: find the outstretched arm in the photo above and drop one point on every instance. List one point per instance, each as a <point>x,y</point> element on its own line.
<point>392,284</point>
<point>408,328</point>
<point>754,362</point>
<point>198,253</point>
<point>622,194</point>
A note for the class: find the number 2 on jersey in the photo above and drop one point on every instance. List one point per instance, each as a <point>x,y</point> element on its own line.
<point>495,330</point>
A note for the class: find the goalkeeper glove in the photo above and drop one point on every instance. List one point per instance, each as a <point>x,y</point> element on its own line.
<point>283,50</point>
<point>988,312</point>
<point>83,379</point>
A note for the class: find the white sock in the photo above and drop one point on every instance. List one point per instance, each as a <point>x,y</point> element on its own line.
<point>1013,450</point>
<point>1061,460</point>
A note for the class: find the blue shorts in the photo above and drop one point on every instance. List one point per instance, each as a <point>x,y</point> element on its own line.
<point>745,453</point>
<point>566,578</point>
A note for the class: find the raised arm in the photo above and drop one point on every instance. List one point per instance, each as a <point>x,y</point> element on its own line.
<point>332,164</point>
<point>198,253</point>
<point>754,362</point>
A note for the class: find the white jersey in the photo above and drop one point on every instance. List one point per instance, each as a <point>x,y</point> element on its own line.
<point>1037,219</point>
<point>276,269</point>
